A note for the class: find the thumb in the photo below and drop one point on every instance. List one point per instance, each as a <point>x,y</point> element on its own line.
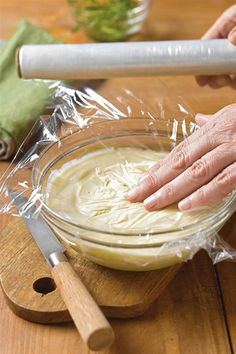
<point>202,119</point>
<point>232,35</point>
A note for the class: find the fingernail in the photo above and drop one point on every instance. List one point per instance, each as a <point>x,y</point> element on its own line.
<point>232,36</point>
<point>133,193</point>
<point>151,201</point>
<point>201,119</point>
<point>184,204</point>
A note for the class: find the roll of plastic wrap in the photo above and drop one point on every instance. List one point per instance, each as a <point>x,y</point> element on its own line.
<point>105,60</point>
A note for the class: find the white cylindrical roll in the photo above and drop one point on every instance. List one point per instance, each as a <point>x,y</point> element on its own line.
<point>105,60</point>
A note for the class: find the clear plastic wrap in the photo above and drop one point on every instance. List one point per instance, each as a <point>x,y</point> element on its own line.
<point>101,61</point>
<point>78,163</point>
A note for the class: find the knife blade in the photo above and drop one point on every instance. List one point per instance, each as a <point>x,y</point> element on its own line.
<point>41,232</point>
<point>86,314</point>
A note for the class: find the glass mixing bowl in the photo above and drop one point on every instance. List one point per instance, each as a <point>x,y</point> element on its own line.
<point>132,251</point>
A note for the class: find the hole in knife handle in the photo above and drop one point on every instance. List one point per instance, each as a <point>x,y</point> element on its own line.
<point>44,285</point>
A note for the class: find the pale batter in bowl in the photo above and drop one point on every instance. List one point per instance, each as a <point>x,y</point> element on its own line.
<point>95,186</point>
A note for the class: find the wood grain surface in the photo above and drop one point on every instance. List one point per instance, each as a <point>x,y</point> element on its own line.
<point>120,294</point>
<point>196,312</point>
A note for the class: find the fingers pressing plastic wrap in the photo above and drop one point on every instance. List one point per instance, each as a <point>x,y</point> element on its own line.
<point>79,163</point>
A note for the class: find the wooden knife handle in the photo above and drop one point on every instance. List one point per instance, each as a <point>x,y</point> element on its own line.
<point>86,314</point>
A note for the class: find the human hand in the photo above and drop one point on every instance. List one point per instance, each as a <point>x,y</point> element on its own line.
<point>199,171</point>
<point>224,27</point>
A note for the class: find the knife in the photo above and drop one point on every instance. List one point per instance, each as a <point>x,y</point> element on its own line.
<point>86,314</point>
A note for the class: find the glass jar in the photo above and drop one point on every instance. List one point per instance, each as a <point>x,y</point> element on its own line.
<point>110,20</point>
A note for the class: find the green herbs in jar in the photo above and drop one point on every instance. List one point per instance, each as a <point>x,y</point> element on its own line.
<point>105,20</point>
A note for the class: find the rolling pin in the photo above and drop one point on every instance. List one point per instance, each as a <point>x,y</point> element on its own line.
<point>107,60</point>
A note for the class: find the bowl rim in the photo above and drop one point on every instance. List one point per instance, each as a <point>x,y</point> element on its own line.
<point>227,208</point>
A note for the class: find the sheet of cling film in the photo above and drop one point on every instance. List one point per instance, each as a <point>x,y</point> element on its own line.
<point>96,146</point>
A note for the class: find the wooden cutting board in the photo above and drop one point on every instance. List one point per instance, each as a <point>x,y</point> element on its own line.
<point>30,291</point>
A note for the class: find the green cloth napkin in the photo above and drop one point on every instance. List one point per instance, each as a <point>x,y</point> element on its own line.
<point>21,101</point>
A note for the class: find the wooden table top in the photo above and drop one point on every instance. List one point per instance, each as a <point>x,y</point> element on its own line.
<point>196,313</point>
